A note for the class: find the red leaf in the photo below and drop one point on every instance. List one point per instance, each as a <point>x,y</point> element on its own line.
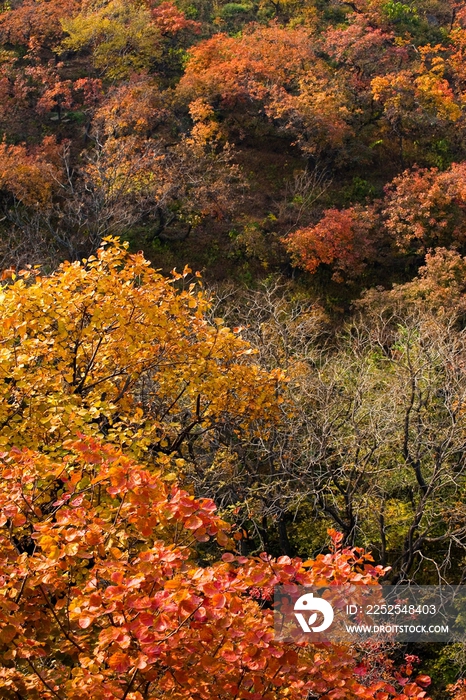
<point>85,621</point>
<point>193,523</point>
<point>424,681</point>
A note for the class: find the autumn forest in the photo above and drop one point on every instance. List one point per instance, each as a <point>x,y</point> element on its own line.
<point>232,340</point>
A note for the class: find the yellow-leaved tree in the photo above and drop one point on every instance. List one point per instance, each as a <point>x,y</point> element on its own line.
<point>110,347</point>
<point>121,35</point>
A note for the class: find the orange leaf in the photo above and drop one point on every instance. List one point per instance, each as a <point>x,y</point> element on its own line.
<point>119,662</point>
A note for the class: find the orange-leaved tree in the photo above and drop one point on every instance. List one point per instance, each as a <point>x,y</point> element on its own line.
<point>458,690</point>
<point>423,209</point>
<point>34,24</point>
<point>426,207</point>
<point>31,175</point>
<point>277,70</point>
<point>343,239</point>
<point>104,595</point>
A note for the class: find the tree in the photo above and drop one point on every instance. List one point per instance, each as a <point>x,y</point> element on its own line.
<point>363,50</point>
<point>419,100</point>
<point>143,179</point>
<point>372,434</point>
<point>425,208</point>
<point>132,173</point>
<point>31,175</point>
<point>35,24</point>
<point>439,284</point>
<point>124,37</point>
<point>277,71</point>
<point>104,596</point>
<point>171,20</point>
<point>458,690</point>
<point>345,240</point>
<point>110,347</point>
